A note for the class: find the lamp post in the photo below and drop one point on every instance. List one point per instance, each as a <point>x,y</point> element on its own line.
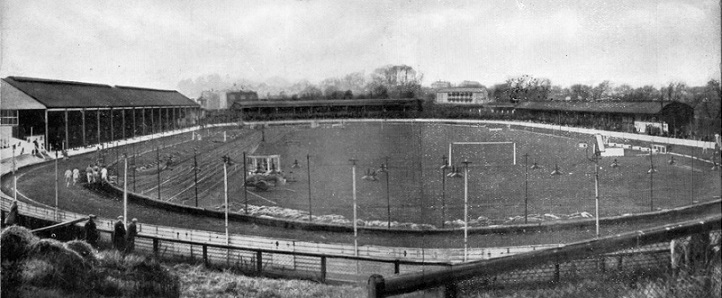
<point>195,173</point>
<point>651,180</point>
<point>596,156</point>
<point>526,187</point>
<point>385,169</point>
<point>15,178</point>
<point>308,173</point>
<point>125,189</point>
<point>226,161</point>
<point>56,183</point>
<point>444,166</point>
<point>245,185</point>
<point>466,209</point>
<point>355,230</point>
<point>157,160</point>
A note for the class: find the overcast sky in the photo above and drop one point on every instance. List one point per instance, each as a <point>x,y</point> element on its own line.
<point>158,43</point>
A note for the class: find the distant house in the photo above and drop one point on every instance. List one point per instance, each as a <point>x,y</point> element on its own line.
<point>224,99</point>
<point>462,96</point>
<point>440,85</point>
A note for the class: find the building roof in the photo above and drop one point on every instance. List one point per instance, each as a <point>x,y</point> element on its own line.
<point>621,107</point>
<point>68,94</point>
<point>323,103</point>
<point>461,89</point>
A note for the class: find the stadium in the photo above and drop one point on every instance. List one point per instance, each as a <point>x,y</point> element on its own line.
<point>313,196</point>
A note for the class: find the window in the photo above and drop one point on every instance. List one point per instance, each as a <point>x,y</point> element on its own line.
<point>9,117</point>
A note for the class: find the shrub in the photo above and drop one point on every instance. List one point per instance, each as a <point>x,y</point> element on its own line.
<point>16,241</point>
<point>83,249</point>
<point>69,269</point>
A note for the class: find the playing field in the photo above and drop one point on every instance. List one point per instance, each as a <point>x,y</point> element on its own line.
<point>496,186</point>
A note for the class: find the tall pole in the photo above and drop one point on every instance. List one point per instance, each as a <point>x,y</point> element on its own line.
<point>157,159</point>
<point>308,172</point>
<point>245,186</point>
<point>15,178</point>
<point>125,190</point>
<point>225,195</point>
<point>195,173</point>
<point>596,187</point>
<point>651,181</point>
<point>135,165</point>
<point>56,183</point>
<point>388,197</point>
<point>466,210</point>
<point>355,230</point>
<point>444,166</point>
<point>526,187</point>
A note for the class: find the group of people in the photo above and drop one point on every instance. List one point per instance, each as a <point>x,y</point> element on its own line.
<point>123,240</point>
<point>93,173</point>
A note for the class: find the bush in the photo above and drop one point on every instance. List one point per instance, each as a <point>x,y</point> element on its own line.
<point>60,266</point>
<point>82,248</point>
<point>16,242</point>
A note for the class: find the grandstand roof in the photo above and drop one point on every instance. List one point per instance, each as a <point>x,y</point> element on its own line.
<point>621,107</point>
<point>68,94</point>
<point>317,103</point>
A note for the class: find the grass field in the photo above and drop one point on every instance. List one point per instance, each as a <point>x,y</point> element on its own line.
<point>496,186</point>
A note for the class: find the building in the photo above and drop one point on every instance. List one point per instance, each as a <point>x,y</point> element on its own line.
<point>648,117</point>
<point>462,96</point>
<point>440,85</point>
<point>240,96</point>
<point>333,108</point>
<point>62,114</point>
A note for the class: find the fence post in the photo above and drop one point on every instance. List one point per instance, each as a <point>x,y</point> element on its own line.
<point>556,271</point>
<point>376,286</point>
<point>205,255</point>
<point>259,261</point>
<point>155,246</point>
<point>396,266</point>
<point>323,268</point>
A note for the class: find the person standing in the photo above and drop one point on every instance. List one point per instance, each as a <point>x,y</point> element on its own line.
<point>132,232</point>
<point>89,173</point>
<point>68,177</point>
<point>104,175</point>
<point>119,235</point>
<point>13,217</point>
<point>76,175</point>
<point>91,232</point>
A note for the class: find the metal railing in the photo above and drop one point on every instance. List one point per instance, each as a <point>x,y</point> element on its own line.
<point>586,259</point>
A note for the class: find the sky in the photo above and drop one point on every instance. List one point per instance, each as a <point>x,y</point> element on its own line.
<point>157,43</point>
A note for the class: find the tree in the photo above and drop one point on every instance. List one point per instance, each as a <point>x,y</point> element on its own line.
<point>526,87</point>
<point>580,92</point>
<point>310,93</point>
<point>398,80</point>
<point>601,91</point>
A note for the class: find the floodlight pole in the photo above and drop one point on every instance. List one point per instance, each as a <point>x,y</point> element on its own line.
<point>195,173</point>
<point>355,229</point>
<point>15,178</point>
<point>245,186</point>
<point>466,209</point>
<point>526,187</point>
<point>595,159</point>
<point>225,194</point>
<point>135,165</point>
<point>388,197</point>
<point>56,182</point>
<point>444,166</point>
<point>308,172</point>
<point>157,159</point>
<point>125,189</point>
<point>651,180</point>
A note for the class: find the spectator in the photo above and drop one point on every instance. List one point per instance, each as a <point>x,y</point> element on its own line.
<point>104,174</point>
<point>13,217</point>
<point>119,235</point>
<point>132,232</point>
<point>91,231</point>
<point>68,177</point>
<point>89,173</point>
<point>76,175</point>
<point>96,174</point>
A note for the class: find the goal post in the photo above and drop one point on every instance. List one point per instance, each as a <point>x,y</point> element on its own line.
<point>452,145</point>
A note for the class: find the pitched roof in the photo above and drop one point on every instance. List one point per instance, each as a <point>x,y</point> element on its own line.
<point>68,94</point>
<point>461,89</point>
<point>622,107</point>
